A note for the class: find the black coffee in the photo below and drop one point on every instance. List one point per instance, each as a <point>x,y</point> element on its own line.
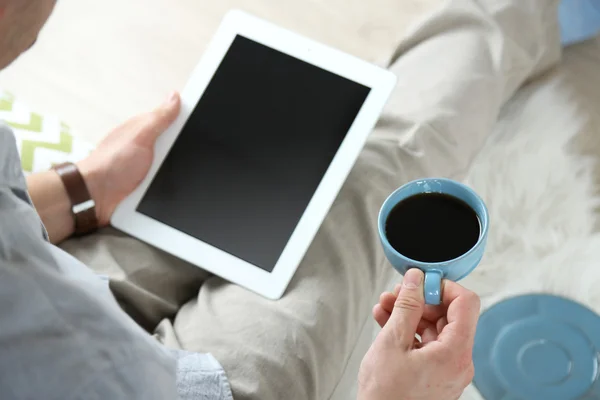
<point>432,227</point>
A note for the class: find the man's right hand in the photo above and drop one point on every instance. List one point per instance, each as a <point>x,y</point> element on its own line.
<point>440,366</point>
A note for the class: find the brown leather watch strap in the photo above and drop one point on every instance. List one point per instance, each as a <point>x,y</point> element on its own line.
<point>82,205</point>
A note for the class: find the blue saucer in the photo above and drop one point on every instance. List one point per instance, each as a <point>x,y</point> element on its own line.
<point>579,20</point>
<point>537,347</point>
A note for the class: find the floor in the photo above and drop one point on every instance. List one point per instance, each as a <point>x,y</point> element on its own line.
<point>99,62</point>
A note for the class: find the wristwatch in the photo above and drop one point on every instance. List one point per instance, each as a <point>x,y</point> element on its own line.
<point>83,206</point>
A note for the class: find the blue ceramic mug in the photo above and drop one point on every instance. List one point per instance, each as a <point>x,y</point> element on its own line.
<point>454,269</point>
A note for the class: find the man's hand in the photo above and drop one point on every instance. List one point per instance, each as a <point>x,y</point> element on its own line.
<point>122,159</point>
<point>440,366</point>
<point>111,172</point>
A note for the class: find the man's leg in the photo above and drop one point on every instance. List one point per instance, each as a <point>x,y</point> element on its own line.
<point>455,72</point>
<point>149,284</point>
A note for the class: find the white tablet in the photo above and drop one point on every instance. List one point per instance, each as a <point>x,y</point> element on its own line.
<point>271,124</point>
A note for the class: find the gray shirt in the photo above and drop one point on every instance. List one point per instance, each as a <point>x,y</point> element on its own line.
<point>62,334</point>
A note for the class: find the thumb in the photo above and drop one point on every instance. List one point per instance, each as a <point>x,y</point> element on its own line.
<point>161,118</point>
<point>408,308</point>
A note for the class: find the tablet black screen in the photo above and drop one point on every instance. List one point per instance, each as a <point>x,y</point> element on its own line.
<point>253,152</point>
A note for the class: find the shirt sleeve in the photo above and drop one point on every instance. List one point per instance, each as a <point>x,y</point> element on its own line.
<point>61,338</point>
<point>200,377</point>
<point>62,334</point>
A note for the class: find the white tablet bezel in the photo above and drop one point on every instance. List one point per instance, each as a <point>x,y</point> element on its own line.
<point>269,284</point>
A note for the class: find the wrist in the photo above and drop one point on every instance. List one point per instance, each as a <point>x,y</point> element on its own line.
<point>82,206</point>
<point>94,181</point>
<point>52,204</point>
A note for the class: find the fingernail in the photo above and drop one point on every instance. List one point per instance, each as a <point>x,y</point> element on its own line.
<point>172,97</point>
<point>412,278</point>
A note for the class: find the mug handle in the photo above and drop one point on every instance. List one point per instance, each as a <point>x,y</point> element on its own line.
<point>433,287</point>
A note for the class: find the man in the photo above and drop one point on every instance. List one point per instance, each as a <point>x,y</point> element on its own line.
<point>63,336</point>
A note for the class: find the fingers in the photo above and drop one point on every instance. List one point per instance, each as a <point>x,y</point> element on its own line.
<point>387,300</point>
<point>458,331</point>
<point>380,315</point>
<point>428,330</point>
<point>167,112</point>
<point>434,313</point>
<point>157,121</point>
<point>441,324</point>
<point>383,310</point>
<point>462,304</point>
<point>430,313</point>
<point>428,333</point>
<point>408,309</point>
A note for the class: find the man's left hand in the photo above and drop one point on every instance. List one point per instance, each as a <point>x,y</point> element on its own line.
<point>123,158</point>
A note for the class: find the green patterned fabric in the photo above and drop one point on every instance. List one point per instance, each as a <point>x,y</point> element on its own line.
<point>42,140</point>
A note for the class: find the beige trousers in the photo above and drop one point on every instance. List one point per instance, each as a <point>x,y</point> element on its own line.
<point>455,70</point>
